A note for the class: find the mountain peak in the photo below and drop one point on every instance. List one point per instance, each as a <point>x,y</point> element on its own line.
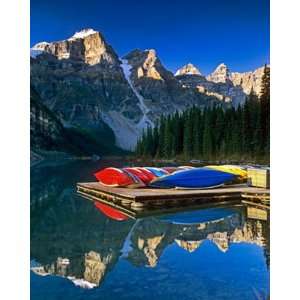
<point>40,46</point>
<point>83,33</point>
<point>220,74</point>
<point>188,69</point>
<point>86,45</point>
<point>150,51</point>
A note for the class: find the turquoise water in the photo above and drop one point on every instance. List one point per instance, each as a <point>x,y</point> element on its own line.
<point>207,254</point>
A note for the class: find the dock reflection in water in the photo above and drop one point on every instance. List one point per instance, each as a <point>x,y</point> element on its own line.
<point>79,253</point>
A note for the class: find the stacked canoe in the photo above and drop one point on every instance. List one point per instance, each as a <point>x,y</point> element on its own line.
<point>184,177</point>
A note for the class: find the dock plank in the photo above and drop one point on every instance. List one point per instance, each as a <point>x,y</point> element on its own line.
<point>150,194</point>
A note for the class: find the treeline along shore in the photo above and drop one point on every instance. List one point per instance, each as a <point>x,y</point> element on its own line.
<point>215,133</point>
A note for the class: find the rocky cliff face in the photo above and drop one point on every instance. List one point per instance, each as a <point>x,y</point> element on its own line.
<point>226,86</point>
<point>88,46</point>
<point>158,89</point>
<point>84,83</point>
<point>188,69</point>
<point>81,81</point>
<point>220,74</point>
<point>46,131</point>
<point>249,80</point>
<point>47,134</point>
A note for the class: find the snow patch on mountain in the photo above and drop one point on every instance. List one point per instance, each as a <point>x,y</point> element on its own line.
<point>40,46</point>
<point>188,69</point>
<point>83,33</point>
<point>126,131</point>
<point>34,53</point>
<point>38,49</point>
<point>145,121</point>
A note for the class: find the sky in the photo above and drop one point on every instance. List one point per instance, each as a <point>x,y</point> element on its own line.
<point>203,32</point>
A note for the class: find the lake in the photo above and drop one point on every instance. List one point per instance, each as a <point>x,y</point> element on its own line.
<point>79,253</point>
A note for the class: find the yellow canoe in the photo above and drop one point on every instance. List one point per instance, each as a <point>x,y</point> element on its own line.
<point>236,170</point>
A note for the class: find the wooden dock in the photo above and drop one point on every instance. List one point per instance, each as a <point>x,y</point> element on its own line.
<point>139,199</point>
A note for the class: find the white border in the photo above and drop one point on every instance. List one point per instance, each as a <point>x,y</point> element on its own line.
<point>285,119</point>
<point>285,151</point>
<point>14,163</point>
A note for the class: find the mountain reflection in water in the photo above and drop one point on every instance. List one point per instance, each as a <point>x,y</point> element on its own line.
<point>71,240</point>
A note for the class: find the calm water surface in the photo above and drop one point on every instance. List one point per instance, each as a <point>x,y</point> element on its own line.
<point>79,253</point>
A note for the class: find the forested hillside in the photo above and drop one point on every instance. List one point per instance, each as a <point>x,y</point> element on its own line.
<point>214,133</point>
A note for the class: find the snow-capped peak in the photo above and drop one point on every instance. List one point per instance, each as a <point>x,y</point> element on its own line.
<point>188,69</point>
<point>40,46</point>
<point>220,74</point>
<point>38,49</point>
<point>83,33</point>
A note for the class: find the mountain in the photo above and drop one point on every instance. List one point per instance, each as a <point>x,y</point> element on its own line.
<point>91,90</point>
<point>47,133</point>
<point>80,79</point>
<point>188,69</point>
<point>248,80</point>
<point>226,86</point>
<point>220,74</point>
<point>158,89</point>
<point>84,83</point>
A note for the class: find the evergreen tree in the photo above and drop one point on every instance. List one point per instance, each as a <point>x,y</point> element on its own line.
<point>155,141</point>
<point>219,130</point>
<point>265,111</point>
<point>207,135</point>
<point>197,136</point>
<point>177,134</point>
<point>161,138</point>
<point>168,138</point>
<point>212,132</point>
<point>188,136</point>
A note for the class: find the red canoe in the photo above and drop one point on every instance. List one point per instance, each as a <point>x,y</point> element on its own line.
<point>141,173</point>
<point>150,175</point>
<point>115,177</point>
<point>171,170</point>
<point>111,212</point>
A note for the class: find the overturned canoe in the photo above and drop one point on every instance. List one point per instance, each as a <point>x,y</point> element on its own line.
<point>170,170</point>
<point>115,177</point>
<point>144,175</point>
<point>232,169</point>
<point>158,172</point>
<point>196,178</point>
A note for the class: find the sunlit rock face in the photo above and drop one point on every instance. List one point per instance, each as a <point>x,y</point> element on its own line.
<point>87,45</point>
<point>159,88</point>
<point>224,92</point>
<point>220,74</point>
<point>249,80</point>
<point>228,87</point>
<point>81,81</point>
<point>188,69</point>
<point>85,84</point>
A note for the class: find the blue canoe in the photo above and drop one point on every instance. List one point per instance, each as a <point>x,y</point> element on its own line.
<point>158,172</point>
<point>197,178</point>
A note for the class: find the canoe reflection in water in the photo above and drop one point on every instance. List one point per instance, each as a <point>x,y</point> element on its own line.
<point>100,243</point>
